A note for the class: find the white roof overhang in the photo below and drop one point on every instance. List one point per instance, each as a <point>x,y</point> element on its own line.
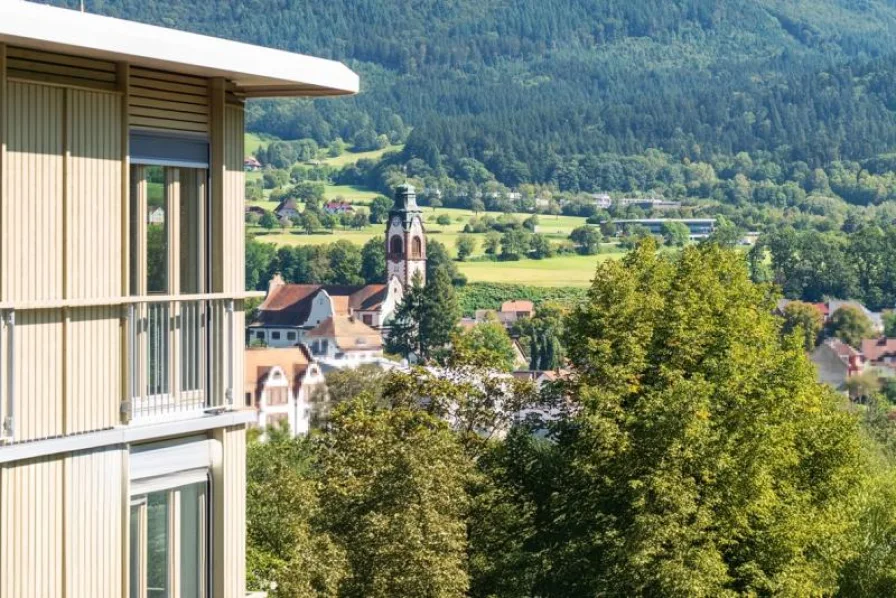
<point>256,71</point>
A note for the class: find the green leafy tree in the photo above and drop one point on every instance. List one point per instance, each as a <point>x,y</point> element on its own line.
<point>394,483</point>
<point>587,239</point>
<point>515,244</point>
<point>541,247</point>
<point>345,263</point>
<point>267,221</point>
<point>726,233</point>
<point>259,260</point>
<point>344,385</point>
<point>443,220</point>
<point>287,552</point>
<point>309,222</point>
<point>889,319</point>
<point>697,426</point>
<point>492,242</point>
<point>850,325</point>
<point>438,258</point>
<point>379,209</point>
<point>373,260</point>
<point>466,246</point>
<point>544,332</point>
<point>309,192</point>
<point>675,234</point>
<point>488,341</point>
<point>806,318</point>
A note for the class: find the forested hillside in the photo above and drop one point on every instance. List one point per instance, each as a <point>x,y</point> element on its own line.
<point>530,91</point>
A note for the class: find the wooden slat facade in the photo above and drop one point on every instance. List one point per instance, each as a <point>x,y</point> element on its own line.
<point>230,514</point>
<point>64,239</point>
<point>31,528</point>
<point>168,101</point>
<point>60,69</point>
<point>95,505</point>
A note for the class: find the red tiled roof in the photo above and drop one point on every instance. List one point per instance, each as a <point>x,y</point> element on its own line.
<point>287,305</point>
<point>519,305</point>
<point>349,334</point>
<point>259,361</point>
<point>290,304</point>
<point>369,297</point>
<point>842,349</point>
<point>876,349</point>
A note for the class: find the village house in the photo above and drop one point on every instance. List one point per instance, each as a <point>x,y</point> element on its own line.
<point>338,207</point>
<point>343,341</point>
<point>156,216</point>
<point>122,429</point>
<point>251,165</point>
<point>510,313</point>
<point>290,311</point>
<point>280,384</point>
<point>288,208</point>
<point>880,353</point>
<point>836,362</point>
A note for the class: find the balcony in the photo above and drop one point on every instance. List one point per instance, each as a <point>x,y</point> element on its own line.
<point>71,367</point>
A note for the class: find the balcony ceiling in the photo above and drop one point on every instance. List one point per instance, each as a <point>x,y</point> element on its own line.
<point>256,71</point>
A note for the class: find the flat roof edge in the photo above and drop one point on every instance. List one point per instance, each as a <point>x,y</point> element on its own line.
<point>254,69</point>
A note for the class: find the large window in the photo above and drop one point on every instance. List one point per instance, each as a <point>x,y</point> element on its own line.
<point>168,257</point>
<point>168,543</point>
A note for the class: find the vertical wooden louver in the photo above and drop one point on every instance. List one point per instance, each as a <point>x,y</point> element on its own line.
<point>161,100</point>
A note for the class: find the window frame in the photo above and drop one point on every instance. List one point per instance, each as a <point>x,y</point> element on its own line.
<point>174,496</point>
<point>176,383</point>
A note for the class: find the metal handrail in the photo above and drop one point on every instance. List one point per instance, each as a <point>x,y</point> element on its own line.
<point>127,300</point>
<point>9,420</point>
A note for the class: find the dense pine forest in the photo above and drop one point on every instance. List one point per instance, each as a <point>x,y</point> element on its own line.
<point>564,92</point>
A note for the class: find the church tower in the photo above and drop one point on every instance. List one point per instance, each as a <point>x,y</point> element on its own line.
<point>405,238</point>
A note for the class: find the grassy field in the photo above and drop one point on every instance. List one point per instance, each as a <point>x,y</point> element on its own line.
<point>350,157</point>
<point>562,271</point>
<point>556,228</point>
<point>253,142</point>
<point>349,193</point>
<point>567,270</point>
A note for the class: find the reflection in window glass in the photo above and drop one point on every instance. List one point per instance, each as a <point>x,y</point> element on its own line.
<point>192,229</point>
<point>156,230</point>
<point>191,537</point>
<point>134,557</point>
<point>157,545</point>
<point>169,544</point>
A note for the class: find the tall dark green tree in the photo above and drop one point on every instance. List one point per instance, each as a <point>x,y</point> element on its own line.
<point>425,318</point>
<point>373,260</point>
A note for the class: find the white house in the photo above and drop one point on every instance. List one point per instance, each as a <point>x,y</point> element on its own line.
<point>280,384</point>
<point>290,311</point>
<point>343,341</point>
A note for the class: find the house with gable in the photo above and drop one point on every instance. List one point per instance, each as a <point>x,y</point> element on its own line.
<point>288,208</point>
<point>280,385</point>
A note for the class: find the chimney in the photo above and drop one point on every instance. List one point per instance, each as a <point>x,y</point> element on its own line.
<point>276,283</point>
